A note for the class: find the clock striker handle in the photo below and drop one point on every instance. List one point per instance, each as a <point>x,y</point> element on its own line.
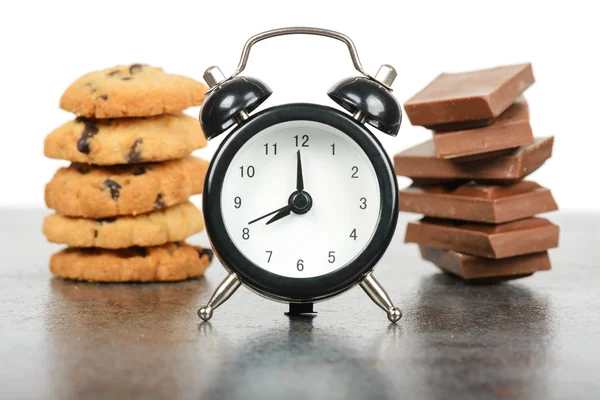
<point>378,294</point>
<point>223,292</point>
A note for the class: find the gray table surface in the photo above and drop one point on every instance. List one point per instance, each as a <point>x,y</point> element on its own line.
<point>537,338</point>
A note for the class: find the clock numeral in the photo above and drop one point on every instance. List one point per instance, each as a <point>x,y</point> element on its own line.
<point>303,140</point>
<point>245,233</point>
<point>274,146</point>
<point>331,258</point>
<point>363,203</point>
<point>333,149</point>
<point>300,265</point>
<point>353,234</point>
<point>249,171</point>
<point>237,202</point>
<point>270,252</point>
<point>355,172</point>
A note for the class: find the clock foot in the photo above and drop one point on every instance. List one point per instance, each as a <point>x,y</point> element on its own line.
<point>301,309</point>
<point>379,296</point>
<point>223,292</point>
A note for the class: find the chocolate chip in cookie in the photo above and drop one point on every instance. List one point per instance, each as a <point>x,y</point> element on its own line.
<point>135,152</point>
<point>139,170</point>
<point>83,169</point>
<point>114,188</point>
<point>159,203</point>
<point>206,252</point>
<point>135,68</point>
<point>90,128</point>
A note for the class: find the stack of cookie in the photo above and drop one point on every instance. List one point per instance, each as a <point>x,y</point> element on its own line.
<point>480,219</point>
<point>122,205</point>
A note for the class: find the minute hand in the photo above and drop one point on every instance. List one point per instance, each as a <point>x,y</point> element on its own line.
<point>299,176</point>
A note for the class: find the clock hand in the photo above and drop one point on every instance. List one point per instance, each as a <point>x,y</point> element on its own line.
<point>284,212</point>
<point>271,213</point>
<point>299,176</point>
<point>287,210</point>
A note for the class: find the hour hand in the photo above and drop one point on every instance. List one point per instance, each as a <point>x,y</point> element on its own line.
<point>284,212</point>
<point>269,214</point>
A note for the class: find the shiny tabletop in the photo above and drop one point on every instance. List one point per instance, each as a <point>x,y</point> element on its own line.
<point>535,338</point>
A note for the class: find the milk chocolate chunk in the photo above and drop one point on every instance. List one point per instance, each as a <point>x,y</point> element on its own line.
<point>479,203</point>
<point>484,270</point>
<point>421,162</point>
<point>469,96</point>
<point>483,156</point>
<point>510,130</point>
<point>531,235</point>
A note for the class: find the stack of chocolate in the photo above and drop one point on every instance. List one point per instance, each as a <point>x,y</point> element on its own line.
<point>479,219</point>
<point>122,205</point>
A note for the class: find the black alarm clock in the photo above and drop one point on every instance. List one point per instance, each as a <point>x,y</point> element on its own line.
<point>300,200</point>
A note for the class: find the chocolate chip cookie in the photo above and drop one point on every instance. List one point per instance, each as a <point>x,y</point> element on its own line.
<point>131,91</point>
<point>82,190</point>
<point>125,140</point>
<point>152,229</point>
<point>170,262</point>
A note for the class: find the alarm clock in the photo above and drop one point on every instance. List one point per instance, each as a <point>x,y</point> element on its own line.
<point>300,200</point>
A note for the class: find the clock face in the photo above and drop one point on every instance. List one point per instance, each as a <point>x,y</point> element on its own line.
<point>321,227</point>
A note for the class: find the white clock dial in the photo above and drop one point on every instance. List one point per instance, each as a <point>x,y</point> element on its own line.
<point>338,176</point>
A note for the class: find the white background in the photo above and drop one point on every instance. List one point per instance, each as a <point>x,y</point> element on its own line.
<point>46,45</point>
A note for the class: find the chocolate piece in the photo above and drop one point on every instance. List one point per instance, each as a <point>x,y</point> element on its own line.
<point>83,169</point>
<point>113,73</point>
<point>126,78</point>
<point>510,130</point>
<point>456,126</point>
<point>135,68</point>
<point>446,181</point>
<point>109,220</point>
<point>421,162</point>
<point>480,203</point>
<point>484,156</point>
<point>485,270</point>
<point>103,97</point>
<point>159,203</point>
<point>114,188</point>
<point>139,170</point>
<point>206,252</point>
<point>525,236</point>
<point>90,129</point>
<point>469,96</point>
<point>135,154</point>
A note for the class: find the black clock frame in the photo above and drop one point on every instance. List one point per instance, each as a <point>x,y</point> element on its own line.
<point>279,287</point>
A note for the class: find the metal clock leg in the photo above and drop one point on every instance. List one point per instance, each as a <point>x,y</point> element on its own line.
<point>223,292</point>
<point>378,294</point>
